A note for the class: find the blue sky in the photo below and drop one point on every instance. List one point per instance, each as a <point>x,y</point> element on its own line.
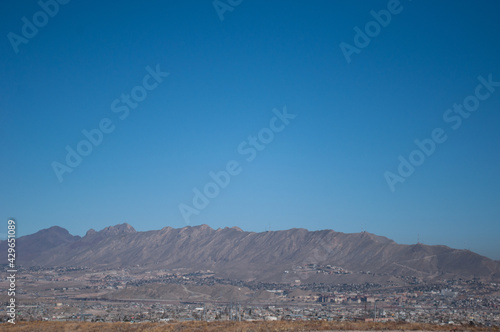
<point>325,169</point>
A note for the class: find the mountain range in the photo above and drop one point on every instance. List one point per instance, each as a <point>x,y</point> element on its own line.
<point>273,256</point>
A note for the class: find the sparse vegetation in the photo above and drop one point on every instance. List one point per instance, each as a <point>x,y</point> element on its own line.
<point>259,326</point>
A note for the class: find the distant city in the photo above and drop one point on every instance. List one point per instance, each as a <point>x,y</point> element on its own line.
<point>135,295</point>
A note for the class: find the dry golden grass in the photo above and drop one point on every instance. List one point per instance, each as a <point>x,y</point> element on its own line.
<point>229,326</point>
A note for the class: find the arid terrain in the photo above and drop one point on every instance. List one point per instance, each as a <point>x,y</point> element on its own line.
<point>228,275</point>
<point>231,327</point>
<point>274,256</point>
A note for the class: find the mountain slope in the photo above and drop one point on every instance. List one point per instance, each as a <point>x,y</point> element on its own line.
<point>233,253</point>
<point>30,247</point>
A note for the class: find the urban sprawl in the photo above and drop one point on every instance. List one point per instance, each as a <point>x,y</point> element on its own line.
<point>135,295</point>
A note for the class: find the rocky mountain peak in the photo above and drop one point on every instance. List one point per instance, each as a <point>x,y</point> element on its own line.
<point>119,229</point>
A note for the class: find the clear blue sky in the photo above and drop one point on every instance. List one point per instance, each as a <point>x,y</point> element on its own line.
<point>324,170</point>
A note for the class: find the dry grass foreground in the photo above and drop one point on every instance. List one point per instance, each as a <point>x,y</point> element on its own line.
<point>260,326</point>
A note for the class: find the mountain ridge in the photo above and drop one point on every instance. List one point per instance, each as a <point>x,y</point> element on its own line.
<point>277,256</point>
